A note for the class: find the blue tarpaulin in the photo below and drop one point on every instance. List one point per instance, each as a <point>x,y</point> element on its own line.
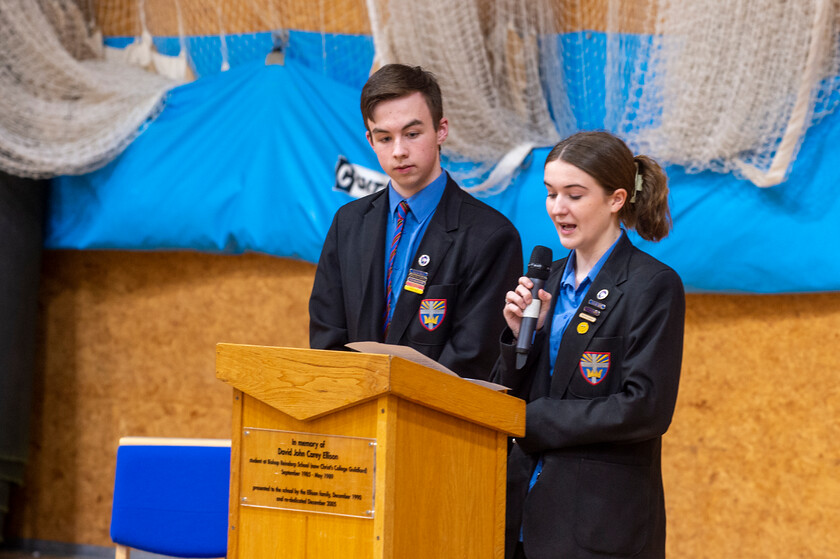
<point>246,160</point>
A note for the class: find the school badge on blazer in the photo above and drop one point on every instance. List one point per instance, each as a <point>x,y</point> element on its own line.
<point>432,313</point>
<point>594,366</point>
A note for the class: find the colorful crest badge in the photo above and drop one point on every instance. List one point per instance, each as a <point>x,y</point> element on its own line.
<point>594,366</point>
<point>432,313</point>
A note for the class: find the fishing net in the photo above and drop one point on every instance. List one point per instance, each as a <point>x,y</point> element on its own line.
<point>734,86</point>
<point>706,84</point>
<point>64,109</point>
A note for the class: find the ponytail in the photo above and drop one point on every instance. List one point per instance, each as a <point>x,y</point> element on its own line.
<point>646,209</point>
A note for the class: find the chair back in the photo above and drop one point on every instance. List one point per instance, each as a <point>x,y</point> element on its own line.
<point>171,496</point>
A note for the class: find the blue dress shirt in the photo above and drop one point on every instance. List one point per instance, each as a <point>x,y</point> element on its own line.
<point>570,299</point>
<point>422,207</point>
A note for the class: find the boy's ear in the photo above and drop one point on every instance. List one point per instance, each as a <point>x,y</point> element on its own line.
<point>443,130</point>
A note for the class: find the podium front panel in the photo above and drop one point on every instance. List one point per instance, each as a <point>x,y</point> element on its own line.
<point>289,534</point>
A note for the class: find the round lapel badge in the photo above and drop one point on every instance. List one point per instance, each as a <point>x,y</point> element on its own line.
<point>583,328</point>
<point>423,260</point>
<point>602,294</point>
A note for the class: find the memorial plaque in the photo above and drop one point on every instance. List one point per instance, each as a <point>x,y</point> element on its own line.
<point>309,472</point>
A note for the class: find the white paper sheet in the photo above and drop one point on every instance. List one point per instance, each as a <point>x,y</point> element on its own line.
<point>411,354</point>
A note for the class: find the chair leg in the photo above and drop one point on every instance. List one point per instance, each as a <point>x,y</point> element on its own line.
<point>122,552</point>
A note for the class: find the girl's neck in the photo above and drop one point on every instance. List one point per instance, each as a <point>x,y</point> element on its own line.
<point>585,259</point>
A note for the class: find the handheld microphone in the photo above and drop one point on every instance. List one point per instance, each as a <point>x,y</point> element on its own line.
<point>538,270</point>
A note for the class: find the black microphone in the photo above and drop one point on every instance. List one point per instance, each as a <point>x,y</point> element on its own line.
<point>538,270</point>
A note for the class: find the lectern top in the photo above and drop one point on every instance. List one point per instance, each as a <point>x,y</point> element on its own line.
<point>308,383</point>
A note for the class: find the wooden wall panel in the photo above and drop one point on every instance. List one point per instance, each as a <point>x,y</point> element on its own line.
<point>213,17</point>
<point>200,17</point>
<point>752,464</point>
<point>127,348</point>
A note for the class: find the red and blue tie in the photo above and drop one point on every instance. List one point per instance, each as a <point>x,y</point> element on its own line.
<point>402,211</point>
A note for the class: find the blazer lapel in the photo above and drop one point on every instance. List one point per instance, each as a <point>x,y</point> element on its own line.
<point>606,285</point>
<point>369,322</point>
<point>542,381</point>
<point>435,244</point>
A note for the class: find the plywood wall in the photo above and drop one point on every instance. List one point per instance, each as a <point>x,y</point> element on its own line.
<point>127,349</point>
<point>200,17</point>
<point>751,464</point>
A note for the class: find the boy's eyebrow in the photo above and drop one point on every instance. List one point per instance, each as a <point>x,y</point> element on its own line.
<point>414,122</point>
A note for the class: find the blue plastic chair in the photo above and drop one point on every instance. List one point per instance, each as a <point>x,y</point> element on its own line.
<point>171,497</point>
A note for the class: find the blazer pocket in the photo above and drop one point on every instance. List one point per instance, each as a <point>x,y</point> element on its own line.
<point>612,513</point>
<point>598,370</point>
<point>433,321</point>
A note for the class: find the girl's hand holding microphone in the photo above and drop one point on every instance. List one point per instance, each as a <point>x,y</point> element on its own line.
<point>518,300</point>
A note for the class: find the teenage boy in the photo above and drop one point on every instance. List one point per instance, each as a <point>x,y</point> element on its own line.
<point>420,263</point>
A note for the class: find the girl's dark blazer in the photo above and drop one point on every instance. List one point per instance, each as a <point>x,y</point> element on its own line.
<point>600,490</point>
<point>474,258</point>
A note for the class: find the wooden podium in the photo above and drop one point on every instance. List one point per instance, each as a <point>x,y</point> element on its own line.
<point>356,455</point>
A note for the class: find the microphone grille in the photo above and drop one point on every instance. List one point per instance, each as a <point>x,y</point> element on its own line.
<point>540,264</point>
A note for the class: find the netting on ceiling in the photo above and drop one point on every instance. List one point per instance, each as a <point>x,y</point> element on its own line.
<point>69,103</point>
<point>490,58</point>
<point>707,84</point>
<point>63,108</point>
<point>734,86</point>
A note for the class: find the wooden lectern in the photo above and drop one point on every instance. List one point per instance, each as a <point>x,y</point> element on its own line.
<point>357,455</point>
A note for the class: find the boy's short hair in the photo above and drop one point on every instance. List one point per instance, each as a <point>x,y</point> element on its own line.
<point>398,80</point>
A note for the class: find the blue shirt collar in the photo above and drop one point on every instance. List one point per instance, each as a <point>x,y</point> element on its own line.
<point>423,203</point>
<point>568,280</point>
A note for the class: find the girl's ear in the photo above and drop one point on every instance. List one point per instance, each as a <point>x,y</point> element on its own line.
<point>617,200</point>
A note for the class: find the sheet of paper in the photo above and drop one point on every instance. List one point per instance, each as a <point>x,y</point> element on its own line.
<point>411,354</point>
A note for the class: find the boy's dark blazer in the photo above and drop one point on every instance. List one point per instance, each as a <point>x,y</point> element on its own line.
<point>474,258</point>
<point>600,490</point>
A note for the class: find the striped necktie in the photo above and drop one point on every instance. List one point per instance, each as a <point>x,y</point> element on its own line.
<point>402,210</point>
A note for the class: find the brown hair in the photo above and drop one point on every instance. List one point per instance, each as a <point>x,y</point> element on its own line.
<point>398,80</point>
<point>608,160</point>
